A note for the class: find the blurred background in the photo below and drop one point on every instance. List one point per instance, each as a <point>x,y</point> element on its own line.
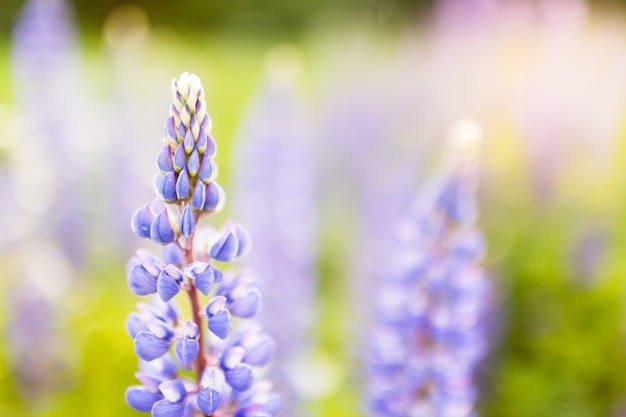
<point>361,94</point>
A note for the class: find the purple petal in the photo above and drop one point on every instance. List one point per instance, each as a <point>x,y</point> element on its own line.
<point>140,398</point>
<point>166,186</point>
<point>187,349</point>
<point>231,358</point>
<point>161,368</point>
<point>174,272</point>
<point>135,324</point>
<point>173,254</point>
<point>211,147</point>
<point>183,187</point>
<point>180,158</point>
<point>164,160</point>
<point>205,276</point>
<point>206,279</point>
<point>207,169</point>
<point>246,306</point>
<point>187,222</point>
<point>272,405</point>
<point>202,140</point>
<point>220,324</point>
<point>216,305</point>
<point>140,281</point>
<point>167,287</point>
<point>173,391</point>
<point>166,408</point>
<point>149,347</point>
<point>191,330</point>
<point>244,241</point>
<point>260,354</point>
<point>215,197</point>
<point>141,220</point>
<point>208,400</point>
<point>193,165</point>
<point>199,196</point>
<point>188,142</point>
<point>225,249</point>
<point>239,378</point>
<point>161,230</point>
<point>170,129</point>
<point>181,130</point>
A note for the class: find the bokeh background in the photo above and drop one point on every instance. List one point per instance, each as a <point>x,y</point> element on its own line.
<point>84,93</point>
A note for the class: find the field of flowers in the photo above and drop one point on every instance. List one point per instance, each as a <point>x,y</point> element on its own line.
<point>425,219</point>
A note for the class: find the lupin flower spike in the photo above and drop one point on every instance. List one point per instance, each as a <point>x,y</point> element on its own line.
<point>275,156</point>
<point>220,357</point>
<point>429,335</point>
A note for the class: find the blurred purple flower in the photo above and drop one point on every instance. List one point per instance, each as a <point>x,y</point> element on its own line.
<point>50,99</point>
<point>429,336</point>
<point>276,198</point>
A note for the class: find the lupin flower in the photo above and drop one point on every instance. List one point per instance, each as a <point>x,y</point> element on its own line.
<point>221,357</point>
<point>429,335</point>
<point>45,73</point>
<point>276,192</point>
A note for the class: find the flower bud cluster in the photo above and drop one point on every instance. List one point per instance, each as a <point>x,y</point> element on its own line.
<point>218,345</point>
<point>429,335</point>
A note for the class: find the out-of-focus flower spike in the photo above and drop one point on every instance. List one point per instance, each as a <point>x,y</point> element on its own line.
<point>227,246</point>
<point>193,164</point>
<point>141,220</point>
<point>161,230</point>
<point>215,197</point>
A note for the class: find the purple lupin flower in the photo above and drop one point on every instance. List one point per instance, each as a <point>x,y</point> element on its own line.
<point>276,199</point>
<point>45,73</point>
<point>429,335</point>
<point>219,348</point>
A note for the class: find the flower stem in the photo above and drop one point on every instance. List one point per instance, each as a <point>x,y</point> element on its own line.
<point>200,362</point>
